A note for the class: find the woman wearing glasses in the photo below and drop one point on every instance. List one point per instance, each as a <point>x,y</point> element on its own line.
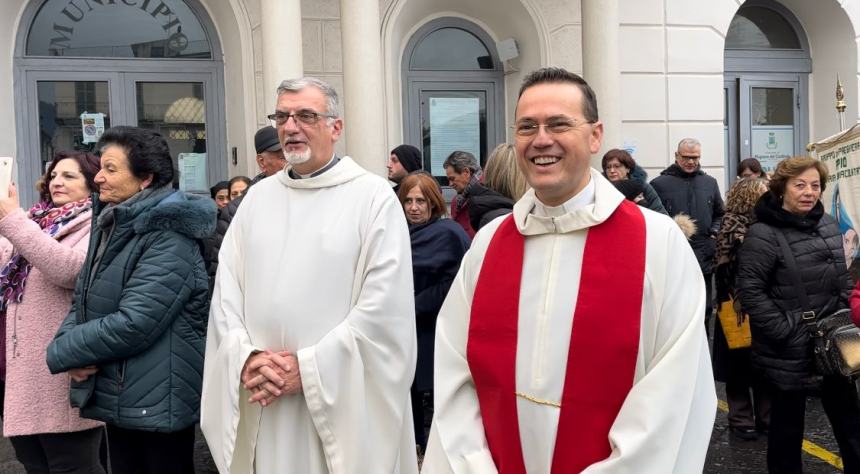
<point>782,349</point>
<point>618,165</point>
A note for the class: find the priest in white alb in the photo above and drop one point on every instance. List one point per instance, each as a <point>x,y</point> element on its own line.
<point>311,346</point>
<point>571,339</point>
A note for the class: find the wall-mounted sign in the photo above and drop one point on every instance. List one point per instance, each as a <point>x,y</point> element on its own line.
<point>772,144</point>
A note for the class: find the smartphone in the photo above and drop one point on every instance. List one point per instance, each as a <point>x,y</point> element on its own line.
<point>5,175</point>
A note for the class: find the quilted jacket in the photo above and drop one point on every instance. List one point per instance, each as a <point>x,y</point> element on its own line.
<point>781,347</point>
<point>139,314</point>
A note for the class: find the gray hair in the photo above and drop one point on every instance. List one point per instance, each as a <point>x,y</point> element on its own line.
<point>461,160</point>
<point>689,143</point>
<point>296,85</point>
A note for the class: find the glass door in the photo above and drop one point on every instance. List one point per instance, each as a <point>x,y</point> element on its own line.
<point>454,117</point>
<point>72,110</point>
<point>177,106</point>
<point>769,115</point>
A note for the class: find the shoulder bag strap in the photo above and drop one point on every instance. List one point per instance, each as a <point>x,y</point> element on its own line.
<point>808,317</point>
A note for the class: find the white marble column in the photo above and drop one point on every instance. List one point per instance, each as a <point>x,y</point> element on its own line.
<point>364,110</point>
<point>600,67</point>
<point>281,28</point>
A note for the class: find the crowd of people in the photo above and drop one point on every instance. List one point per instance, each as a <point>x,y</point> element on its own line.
<point>319,318</point>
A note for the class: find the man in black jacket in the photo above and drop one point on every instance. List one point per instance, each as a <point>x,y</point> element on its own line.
<point>270,159</point>
<point>685,189</point>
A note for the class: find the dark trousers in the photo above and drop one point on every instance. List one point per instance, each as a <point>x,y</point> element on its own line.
<point>145,452</point>
<point>422,413</point>
<point>709,301</point>
<point>53,453</point>
<point>788,408</point>
<point>746,411</point>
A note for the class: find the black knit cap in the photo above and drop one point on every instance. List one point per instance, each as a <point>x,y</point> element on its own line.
<point>409,156</point>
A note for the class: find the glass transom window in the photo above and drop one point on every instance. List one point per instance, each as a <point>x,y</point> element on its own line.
<point>451,49</point>
<point>760,28</point>
<point>118,29</point>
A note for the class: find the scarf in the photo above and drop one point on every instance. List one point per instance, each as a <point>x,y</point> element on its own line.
<point>733,228</point>
<point>51,219</point>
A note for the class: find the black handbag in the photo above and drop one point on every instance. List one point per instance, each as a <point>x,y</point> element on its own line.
<point>836,340</point>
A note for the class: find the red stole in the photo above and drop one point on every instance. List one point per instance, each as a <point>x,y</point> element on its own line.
<point>603,347</point>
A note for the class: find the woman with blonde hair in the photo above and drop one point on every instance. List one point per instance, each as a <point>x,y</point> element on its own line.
<point>748,415</point>
<point>503,185</point>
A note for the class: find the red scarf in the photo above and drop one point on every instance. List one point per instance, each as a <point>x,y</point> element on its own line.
<point>604,341</point>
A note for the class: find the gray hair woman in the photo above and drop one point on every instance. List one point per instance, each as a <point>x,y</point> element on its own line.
<point>133,342</point>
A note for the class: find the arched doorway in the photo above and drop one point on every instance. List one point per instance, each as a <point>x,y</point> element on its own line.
<point>453,92</point>
<point>82,66</point>
<point>767,63</point>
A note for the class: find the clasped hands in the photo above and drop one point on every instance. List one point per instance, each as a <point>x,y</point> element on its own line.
<point>269,375</point>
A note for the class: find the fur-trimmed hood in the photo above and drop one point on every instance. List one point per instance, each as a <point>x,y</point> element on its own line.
<point>160,209</point>
<point>181,212</point>
<point>638,174</point>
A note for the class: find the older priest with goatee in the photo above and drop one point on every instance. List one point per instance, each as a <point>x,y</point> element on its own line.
<point>311,345</point>
<point>571,339</point>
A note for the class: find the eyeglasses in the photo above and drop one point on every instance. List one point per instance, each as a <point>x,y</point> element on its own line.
<point>689,157</point>
<point>303,117</point>
<point>615,166</point>
<point>528,128</point>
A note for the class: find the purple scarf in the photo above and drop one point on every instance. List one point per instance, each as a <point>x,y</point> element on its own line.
<point>14,275</point>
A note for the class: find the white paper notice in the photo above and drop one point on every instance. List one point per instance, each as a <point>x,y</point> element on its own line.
<point>192,172</point>
<point>454,126</point>
<point>92,125</point>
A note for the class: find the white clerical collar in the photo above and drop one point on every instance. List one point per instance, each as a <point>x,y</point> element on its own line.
<point>580,200</point>
<point>320,171</point>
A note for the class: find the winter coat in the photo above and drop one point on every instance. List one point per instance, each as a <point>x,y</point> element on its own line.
<point>730,365</point>
<point>652,200</point>
<point>486,204</point>
<point>855,304</point>
<point>781,347</point>
<point>438,247</point>
<point>212,243</point>
<point>460,206</point>
<point>697,195</point>
<point>140,313</point>
<point>35,401</point>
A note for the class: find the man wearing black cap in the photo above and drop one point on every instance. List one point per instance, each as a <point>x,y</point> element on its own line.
<point>270,159</point>
<point>404,160</point>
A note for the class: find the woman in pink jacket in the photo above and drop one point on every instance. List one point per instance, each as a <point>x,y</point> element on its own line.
<point>41,253</point>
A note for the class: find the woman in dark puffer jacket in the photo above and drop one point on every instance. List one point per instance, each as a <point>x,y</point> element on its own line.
<point>782,349</point>
<point>133,341</point>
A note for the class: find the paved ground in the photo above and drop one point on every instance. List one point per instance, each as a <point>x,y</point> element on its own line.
<point>729,455</point>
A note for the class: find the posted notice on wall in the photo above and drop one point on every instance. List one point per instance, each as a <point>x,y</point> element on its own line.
<point>192,172</point>
<point>772,144</point>
<point>92,126</point>
<point>454,126</point>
